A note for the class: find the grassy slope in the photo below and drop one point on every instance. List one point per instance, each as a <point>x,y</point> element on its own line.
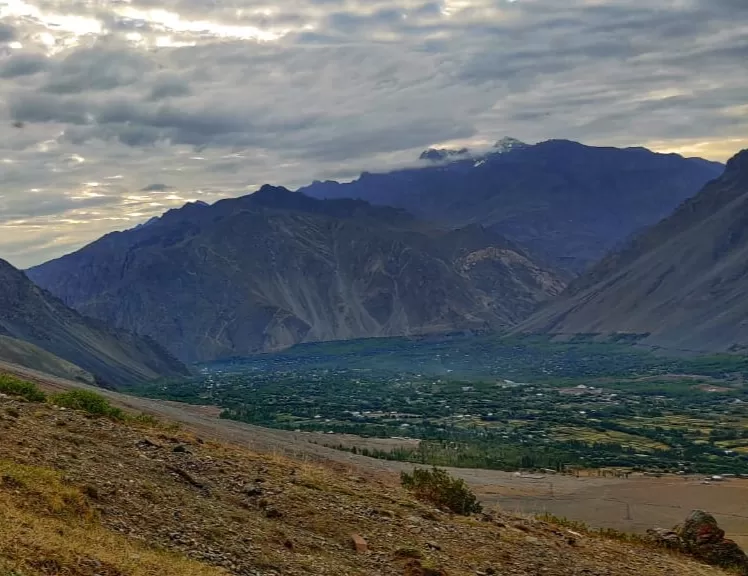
<point>84,496</point>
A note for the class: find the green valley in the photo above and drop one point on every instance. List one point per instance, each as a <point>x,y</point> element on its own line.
<point>492,402</point>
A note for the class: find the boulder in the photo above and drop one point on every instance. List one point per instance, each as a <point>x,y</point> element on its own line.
<point>702,538</point>
<point>666,538</point>
<point>701,528</point>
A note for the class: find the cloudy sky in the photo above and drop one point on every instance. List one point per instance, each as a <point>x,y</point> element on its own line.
<point>112,111</point>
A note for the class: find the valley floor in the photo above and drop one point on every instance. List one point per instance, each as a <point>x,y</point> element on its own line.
<point>633,504</point>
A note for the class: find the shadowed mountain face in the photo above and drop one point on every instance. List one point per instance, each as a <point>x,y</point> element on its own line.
<point>276,268</point>
<point>31,315</point>
<point>683,281</point>
<point>565,202</point>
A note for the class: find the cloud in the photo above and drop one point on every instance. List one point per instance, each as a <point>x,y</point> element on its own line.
<point>7,33</point>
<point>217,98</point>
<point>156,188</point>
<point>23,64</point>
<point>97,68</point>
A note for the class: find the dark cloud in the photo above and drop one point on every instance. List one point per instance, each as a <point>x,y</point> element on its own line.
<point>22,64</point>
<point>97,68</point>
<point>168,86</point>
<point>38,107</point>
<point>7,33</point>
<point>156,188</point>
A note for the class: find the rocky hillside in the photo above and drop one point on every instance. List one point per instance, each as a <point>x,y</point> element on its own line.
<point>188,506</point>
<point>26,354</point>
<point>275,268</point>
<point>32,319</point>
<point>566,202</point>
<point>683,282</point>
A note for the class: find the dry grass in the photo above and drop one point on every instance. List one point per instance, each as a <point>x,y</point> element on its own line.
<point>48,527</point>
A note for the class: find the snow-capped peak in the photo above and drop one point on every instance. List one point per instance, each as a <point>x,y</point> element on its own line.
<point>508,144</point>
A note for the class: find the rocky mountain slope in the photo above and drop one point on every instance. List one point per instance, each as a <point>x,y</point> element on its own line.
<point>26,354</point>
<point>31,318</point>
<point>683,282</point>
<point>275,268</point>
<point>566,202</point>
<point>189,506</point>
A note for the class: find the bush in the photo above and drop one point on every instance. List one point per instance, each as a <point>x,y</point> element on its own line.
<point>438,487</point>
<point>88,402</point>
<point>15,387</point>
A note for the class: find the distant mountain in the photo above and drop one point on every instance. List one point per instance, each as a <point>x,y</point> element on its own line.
<point>683,282</point>
<point>274,268</point>
<point>32,319</point>
<point>566,202</point>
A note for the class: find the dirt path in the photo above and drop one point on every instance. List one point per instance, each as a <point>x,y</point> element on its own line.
<point>633,504</point>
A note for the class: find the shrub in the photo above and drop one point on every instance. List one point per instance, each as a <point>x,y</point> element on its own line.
<point>90,402</point>
<point>439,488</point>
<point>15,387</point>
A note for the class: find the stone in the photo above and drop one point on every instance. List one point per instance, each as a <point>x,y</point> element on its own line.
<point>359,544</point>
<point>665,538</point>
<point>253,491</point>
<point>146,443</point>
<point>702,538</point>
<point>701,528</point>
<point>273,513</point>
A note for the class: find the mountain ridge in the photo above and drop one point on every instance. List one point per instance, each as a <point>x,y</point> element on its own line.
<point>565,202</point>
<point>680,282</point>
<point>274,268</point>
<point>30,314</point>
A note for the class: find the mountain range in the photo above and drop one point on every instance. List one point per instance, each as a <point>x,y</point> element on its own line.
<point>39,331</point>
<point>565,202</point>
<point>275,268</point>
<point>682,283</point>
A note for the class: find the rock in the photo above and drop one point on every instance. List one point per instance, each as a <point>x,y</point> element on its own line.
<point>702,538</point>
<point>273,513</point>
<point>253,491</point>
<point>389,514</point>
<point>665,538</point>
<point>359,544</point>
<point>180,449</point>
<point>701,528</point>
<point>146,443</point>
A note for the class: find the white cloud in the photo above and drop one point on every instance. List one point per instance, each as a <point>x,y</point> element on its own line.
<point>163,101</point>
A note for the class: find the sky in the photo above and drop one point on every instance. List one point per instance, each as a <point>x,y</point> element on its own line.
<point>113,111</point>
